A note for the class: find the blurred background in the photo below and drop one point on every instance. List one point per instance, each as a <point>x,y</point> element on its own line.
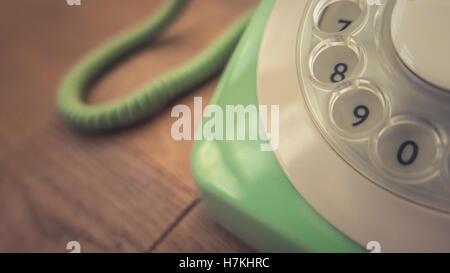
<point>130,191</point>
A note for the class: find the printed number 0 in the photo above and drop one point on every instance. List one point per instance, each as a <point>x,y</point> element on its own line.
<point>412,157</point>
<point>339,72</point>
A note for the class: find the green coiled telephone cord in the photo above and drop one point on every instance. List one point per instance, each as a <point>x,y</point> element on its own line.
<point>147,100</point>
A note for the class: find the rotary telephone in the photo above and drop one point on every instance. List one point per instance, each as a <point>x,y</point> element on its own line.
<point>363,90</point>
<point>366,86</point>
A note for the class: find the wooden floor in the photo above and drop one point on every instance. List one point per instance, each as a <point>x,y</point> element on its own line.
<point>131,191</point>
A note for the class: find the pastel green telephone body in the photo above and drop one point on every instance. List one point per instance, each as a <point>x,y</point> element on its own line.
<point>245,189</point>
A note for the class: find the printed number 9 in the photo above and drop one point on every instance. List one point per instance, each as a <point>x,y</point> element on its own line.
<point>362,113</point>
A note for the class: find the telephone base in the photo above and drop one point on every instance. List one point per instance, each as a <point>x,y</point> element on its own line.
<point>243,188</point>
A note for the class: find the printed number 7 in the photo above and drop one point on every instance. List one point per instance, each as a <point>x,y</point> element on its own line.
<point>345,23</point>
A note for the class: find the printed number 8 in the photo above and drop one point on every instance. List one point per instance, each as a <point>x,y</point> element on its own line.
<point>339,73</point>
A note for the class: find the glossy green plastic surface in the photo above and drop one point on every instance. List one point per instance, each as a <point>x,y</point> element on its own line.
<point>243,188</point>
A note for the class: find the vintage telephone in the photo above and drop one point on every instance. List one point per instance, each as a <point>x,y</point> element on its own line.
<point>363,89</point>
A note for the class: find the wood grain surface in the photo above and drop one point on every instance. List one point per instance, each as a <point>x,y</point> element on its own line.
<point>130,191</point>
